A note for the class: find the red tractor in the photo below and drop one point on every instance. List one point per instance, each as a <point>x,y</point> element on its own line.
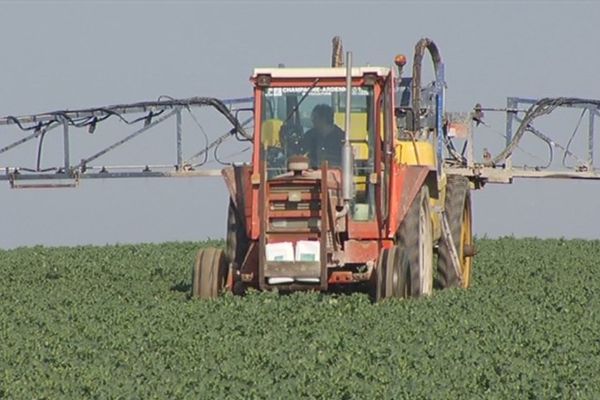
<point>344,191</point>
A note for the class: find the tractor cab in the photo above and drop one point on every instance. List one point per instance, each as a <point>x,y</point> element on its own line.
<point>302,111</point>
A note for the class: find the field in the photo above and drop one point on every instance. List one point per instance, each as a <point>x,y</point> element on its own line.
<point>115,322</point>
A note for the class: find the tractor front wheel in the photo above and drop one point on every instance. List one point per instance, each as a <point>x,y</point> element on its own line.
<point>209,274</point>
<point>378,290</point>
<point>388,275</point>
<point>400,275</point>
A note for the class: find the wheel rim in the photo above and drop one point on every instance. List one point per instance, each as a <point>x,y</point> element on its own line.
<point>425,248</point>
<point>466,239</point>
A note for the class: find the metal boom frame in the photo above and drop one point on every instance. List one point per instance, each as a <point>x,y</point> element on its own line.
<point>519,121</point>
<point>499,170</point>
<point>153,113</point>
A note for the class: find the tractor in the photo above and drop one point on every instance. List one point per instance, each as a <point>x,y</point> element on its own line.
<point>362,204</point>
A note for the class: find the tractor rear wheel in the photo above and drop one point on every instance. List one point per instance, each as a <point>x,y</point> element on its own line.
<point>382,286</point>
<point>209,273</point>
<point>415,239</point>
<point>237,240</point>
<point>237,244</point>
<point>457,207</point>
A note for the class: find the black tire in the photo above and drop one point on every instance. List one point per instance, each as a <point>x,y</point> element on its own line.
<point>389,281</point>
<point>237,242</point>
<point>209,273</point>
<point>457,207</point>
<point>378,279</point>
<point>400,276</point>
<point>383,283</point>
<point>415,239</point>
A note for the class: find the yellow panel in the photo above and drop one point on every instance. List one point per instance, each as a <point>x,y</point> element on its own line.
<point>415,153</point>
<point>360,183</point>
<point>438,204</point>
<point>269,132</point>
<point>358,125</point>
<point>360,150</point>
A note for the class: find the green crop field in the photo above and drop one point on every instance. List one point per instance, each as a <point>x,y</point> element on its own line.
<point>116,322</point>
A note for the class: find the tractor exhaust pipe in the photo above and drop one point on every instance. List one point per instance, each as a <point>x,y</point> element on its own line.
<point>347,148</point>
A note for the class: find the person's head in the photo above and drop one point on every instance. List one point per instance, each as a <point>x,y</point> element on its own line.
<point>322,116</point>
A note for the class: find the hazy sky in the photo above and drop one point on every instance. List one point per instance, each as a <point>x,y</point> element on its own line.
<point>60,55</point>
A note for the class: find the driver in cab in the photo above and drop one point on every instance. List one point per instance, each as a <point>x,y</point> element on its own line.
<point>325,140</point>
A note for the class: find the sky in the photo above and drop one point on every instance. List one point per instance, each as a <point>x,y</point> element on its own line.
<point>59,55</point>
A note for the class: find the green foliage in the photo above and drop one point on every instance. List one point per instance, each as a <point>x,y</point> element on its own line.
<point>116,322</point>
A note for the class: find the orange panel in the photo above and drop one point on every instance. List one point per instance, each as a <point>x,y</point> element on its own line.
<point>360,251</point>
<point>362,229</point>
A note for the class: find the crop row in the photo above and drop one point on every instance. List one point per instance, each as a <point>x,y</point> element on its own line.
<point>116,322</point>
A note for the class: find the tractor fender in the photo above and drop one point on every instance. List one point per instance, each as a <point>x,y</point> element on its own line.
<point>237,180</point>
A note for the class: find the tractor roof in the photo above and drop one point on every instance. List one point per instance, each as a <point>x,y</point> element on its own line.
<point>319,72</point>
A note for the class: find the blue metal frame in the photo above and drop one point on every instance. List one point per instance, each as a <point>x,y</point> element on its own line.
<point>440,87</point>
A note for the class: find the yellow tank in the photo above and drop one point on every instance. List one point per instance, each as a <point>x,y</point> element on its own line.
<point>415,153</point>
<point>423,153</point>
